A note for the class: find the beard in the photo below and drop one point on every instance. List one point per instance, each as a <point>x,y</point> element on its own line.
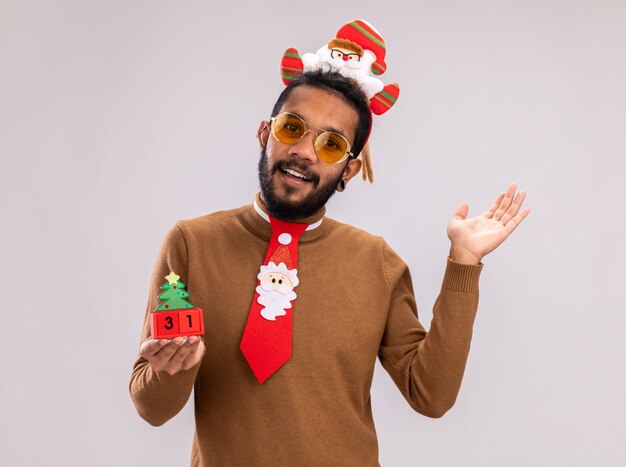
<point>288,210</point>
<point>274,302</point>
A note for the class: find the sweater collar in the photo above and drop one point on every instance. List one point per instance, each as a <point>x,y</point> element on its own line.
<point>256,219</point>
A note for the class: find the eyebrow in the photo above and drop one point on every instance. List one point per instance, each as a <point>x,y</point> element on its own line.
<point>324,129</point>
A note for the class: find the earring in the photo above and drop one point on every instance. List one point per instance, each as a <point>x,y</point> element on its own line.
<point>341,186</point>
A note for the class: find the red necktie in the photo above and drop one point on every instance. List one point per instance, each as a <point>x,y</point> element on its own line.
<point>266,341</point>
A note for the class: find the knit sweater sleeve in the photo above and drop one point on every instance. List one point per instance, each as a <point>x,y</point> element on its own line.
<point>428,366</point>
<point>158,396</point>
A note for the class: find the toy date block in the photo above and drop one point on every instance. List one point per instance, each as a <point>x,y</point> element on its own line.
<point>174,323</point>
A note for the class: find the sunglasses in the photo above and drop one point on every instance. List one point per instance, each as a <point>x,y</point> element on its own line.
<point>330,146</point>
<point>336,53</point>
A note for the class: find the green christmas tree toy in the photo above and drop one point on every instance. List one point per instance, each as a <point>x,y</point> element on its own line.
<point>175,316</point>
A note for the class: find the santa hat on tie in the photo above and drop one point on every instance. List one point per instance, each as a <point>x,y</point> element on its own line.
<point>282,255</point>
<point>281,258</point>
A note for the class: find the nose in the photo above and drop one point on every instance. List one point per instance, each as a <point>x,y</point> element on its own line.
<point>345,58</point>
<point>305,148</point>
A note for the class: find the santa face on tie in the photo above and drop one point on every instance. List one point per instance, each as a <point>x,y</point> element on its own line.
<point>275,289</point>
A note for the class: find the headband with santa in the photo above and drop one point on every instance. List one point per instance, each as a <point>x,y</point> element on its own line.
<point>357,51</point>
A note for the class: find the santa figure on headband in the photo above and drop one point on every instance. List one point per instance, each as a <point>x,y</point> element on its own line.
<point>357,51</point>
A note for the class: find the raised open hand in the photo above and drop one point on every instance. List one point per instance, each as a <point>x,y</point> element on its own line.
<point>473,238</point>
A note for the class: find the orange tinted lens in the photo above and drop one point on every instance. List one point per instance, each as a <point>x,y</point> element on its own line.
<point>288,128</point>
<point>331,146</point>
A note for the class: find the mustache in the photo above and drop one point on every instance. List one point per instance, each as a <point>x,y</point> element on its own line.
<point>301,167</point>
<point>282,289</point>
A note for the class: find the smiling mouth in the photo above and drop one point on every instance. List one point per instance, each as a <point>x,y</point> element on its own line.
<point>296,174</point>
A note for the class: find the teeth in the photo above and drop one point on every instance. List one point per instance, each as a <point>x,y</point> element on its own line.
<point>295,174</point>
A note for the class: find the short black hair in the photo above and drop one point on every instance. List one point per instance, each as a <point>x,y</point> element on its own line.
<point>347,87</point>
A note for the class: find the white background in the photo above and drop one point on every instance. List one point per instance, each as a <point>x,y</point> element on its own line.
<point>119,117</point>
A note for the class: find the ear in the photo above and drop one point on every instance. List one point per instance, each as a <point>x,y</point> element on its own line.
<point>353,168</point>
<point>262,133</point>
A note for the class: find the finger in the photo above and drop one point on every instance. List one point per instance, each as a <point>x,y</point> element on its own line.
<point>515,221</point>
<point>163,356</point>
<point>461,212</point>
<point>193,339</point>
<point>180,340</point>
<point>489,214</point>
<point>513,210</point>
<point>176,362</point>
<point>194,356</point>
<point>184,347</point>
<point>506,202</point>
<point>175,346</point>
<point>151,347</point>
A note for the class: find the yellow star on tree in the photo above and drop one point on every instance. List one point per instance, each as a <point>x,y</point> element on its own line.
<point>172,278</point>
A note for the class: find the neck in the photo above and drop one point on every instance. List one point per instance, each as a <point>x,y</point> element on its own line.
<point>313,220</point>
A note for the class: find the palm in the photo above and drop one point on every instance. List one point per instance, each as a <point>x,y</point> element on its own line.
<point>475,237</point>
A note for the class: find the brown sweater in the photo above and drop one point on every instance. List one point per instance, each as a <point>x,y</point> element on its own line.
<point>355,303</point>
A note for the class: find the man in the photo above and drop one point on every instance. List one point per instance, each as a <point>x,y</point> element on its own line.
<point>354,303</point>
